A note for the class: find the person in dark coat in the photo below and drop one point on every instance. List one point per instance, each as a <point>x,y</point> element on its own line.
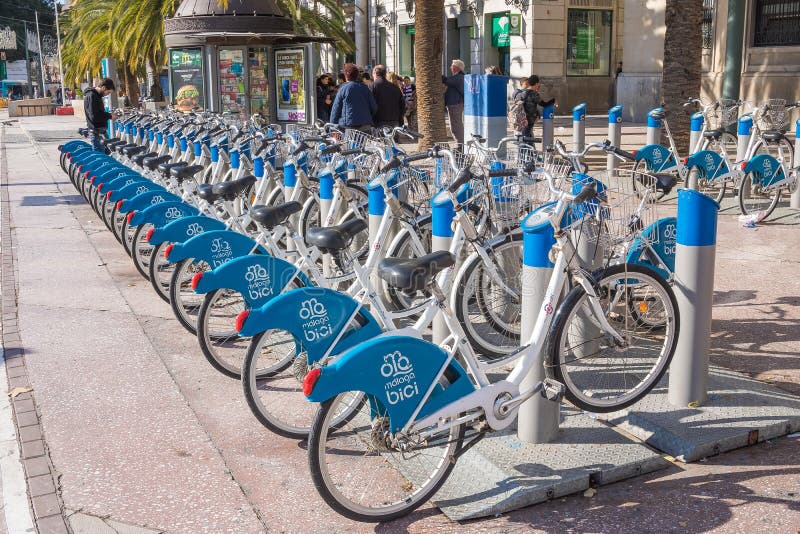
<point>389,98</point>
<point>96,115</point>
<point>354,105</point>
<point>324,98</point>
<point>454,100</point>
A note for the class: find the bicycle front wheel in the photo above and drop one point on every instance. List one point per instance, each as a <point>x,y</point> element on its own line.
<point>601,373</point>
<point>361,473</point>
<point>184,301</point>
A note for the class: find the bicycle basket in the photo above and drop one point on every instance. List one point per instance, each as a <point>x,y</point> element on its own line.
<point>416,187</point>
<point>443,173</point>
<point>625,206</point>
<point>726,114</point>
<point>773,117</point>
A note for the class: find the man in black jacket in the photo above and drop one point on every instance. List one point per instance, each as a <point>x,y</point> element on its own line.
<point>96,115</point>
<point>390,100</point>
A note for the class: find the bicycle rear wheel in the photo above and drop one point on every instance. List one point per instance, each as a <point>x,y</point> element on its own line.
<point>600,374</point>
<point>142,250</point>
<point>755,199</point>
<point>184,301</point>
<point>362,477</point>
<point>160,271</point>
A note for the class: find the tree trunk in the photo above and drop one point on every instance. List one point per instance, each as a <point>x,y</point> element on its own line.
<point>131,86</point>
<point>682,64</point>
<point>428,46</point>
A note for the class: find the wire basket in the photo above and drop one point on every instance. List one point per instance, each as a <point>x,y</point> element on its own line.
<point>416,187</point>
<point>624,208</point>
<point>774,114</point>
<point>443,172</point>
<point>725,114</point>
<point>513,197</point>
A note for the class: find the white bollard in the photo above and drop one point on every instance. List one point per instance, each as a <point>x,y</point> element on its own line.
<point>744,131</point>
<point>579,127</point>
<point>653,129</point>
<point>695,130</point>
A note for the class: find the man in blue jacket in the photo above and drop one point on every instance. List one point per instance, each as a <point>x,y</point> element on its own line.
<point>354,105</point>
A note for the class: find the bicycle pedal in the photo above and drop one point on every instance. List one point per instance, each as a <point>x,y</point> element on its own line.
<point>553,390</point>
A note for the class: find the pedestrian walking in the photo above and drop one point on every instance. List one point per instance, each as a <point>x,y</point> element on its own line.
<point>525,106</point>
<point>411,110</point>
<point>389,99</point>
<point>454,100</point>
<point>96,115</point>
<point>407,87</point>
<point>354,105</point>
<point>324,98</point>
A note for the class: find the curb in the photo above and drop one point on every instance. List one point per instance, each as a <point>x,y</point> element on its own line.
<point>42,479</point>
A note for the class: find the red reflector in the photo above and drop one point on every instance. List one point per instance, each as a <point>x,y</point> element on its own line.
<point>108,195</point>
<point>119,204</point>
<point>91,180</point>
<point>685,161</point>
<point>196,280</point>
<point>240,319</point>
<point>744,164</point>
<point>311,380</point>
<point>167,251</point>
<point>130,216</point>
<point>634,153</point>
<point>149,234</point>
<point>100,188</point>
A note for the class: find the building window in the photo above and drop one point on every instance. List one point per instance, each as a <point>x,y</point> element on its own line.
<point>406,50</point>
<point>777,23</point>
<point>589,42</point>
<point>708,23</point>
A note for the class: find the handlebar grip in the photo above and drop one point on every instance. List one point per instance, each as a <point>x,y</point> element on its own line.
<point>464,176</point>
<point>331,149</point>
<point>313,139</point>
<point>415,135</point>
<point>588,192</point>
<point>417,157</point>
<point>299,150</point>
<point>624,154</point>
<point>393,163</point>
<point>529,139</point>
<point>352,151</point>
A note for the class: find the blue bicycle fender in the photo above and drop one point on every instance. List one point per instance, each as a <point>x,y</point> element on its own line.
<point>161,213</point>
<point>314,316</point>
<point>662,236</point>
<point>185,229</point>
<point>69,146</point>
<point>144,200</point>
<point>135,189</point>
<point>108,174</point>
<point>215,248</point>
<point>397,371</point>
<point>710,164</point>
<point>118,183</point>
<point>258,277</point>
<point>767,168</point>
<point>659,157</point>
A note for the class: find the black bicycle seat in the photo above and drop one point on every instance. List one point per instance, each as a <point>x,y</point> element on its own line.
<point>714,134</point>
<point>231,190</point>
<point>773,135</point>
<point>132,151</point>
<point>185,171</point>
<point>154,161</point>
<point>270,217</point>
<point>665,182</point>
<point>206,192</point>
<point>332,239</point>
<point>138,159</point>
<point>165,168</point>
<point>414,274</point>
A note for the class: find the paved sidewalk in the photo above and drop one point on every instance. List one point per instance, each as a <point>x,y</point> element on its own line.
<point>141,433</point>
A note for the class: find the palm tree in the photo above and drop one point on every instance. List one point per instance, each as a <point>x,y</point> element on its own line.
<point>682,63</point>
<point>428,46</point>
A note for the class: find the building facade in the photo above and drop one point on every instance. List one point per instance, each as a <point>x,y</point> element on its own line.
<point>574,46</point>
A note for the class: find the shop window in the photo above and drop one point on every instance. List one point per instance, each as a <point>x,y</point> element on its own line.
<point>708,24</point>
<point>589,33</point>
<point>258,81</point>
<point>406,50</point>
<point>382,45</point>
<point>777,23</point>
<point>186,78</point>
<point>233,97</point>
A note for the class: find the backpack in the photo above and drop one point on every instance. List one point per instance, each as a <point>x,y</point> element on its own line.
<point>517,116</point>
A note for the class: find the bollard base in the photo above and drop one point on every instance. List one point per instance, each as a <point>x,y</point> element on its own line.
<point>502,473</point>
<point>740,411</point>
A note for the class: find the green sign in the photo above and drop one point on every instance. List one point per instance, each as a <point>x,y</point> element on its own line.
<point>185,57</point>
<point>410,30</point>
<point>501,25</point>
<point>584,44</point>
<point>3,73</point>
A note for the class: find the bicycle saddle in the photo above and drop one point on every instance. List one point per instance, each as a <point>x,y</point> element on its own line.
<point>205,191</point>
<point>658,115</point>
<point>773,135</point>
<point>138,159</point>
<point>164,168</point>
<point>112,144</point>
<point>231,190</point>
<point>332,239</point>
<point>133,150</point>
<point>153,162</point>
<point>83,131</point>
<point>107,142</point>
<point>271,217</point>
<point>714,134</point>
<point>414,274</point>
<point>665,182</point>
<point>185,171</point>
<point>121,147</point>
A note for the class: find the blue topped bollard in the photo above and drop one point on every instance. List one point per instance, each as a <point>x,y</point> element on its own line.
<point>485,111</point>
<point>744,130</point>
<point>694,290</point>
<point>695,132</point>
<point>614,134</point>
<point>547,125</point>
<point>538,417</point>
<point>579,127</point>
<point>653,128</point>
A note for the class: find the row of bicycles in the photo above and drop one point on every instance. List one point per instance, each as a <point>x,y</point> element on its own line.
<point>758,172</point>
<point>304,262</point>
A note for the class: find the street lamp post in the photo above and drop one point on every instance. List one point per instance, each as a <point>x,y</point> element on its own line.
<point>41,54</point>
<point>60,62</point>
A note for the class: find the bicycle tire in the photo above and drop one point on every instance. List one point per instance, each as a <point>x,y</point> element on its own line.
<point>493,335</point>
<point>160,272</point>
<point>185,303</point>
<point>597,394</point>
<point>402,501</point>
<point>642,166</point>
<point>753,199</point>
<point>711,188</point>
<point>142,250</point>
